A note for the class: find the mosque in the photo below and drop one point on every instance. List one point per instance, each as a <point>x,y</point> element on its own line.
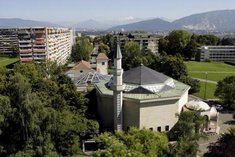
<point>139,97</point>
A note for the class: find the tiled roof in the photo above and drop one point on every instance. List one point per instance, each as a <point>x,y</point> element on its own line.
<point>82,65</point>
<point>102,56</point>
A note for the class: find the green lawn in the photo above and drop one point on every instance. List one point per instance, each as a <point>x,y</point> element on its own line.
<point>216,71</point>
<point>4,61</point>
<point>209,66</point>
<point>210,89</point>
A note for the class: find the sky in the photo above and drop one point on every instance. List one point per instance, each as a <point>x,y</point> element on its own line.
<point>103,10</point>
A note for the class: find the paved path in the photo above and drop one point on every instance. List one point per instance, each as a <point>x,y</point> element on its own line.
<point>203,80</point>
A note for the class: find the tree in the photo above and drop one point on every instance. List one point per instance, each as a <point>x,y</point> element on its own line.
<point>187,132</point>
<point>81,50</point>
<point>141,143</point>
<point>191,49</point>
<point>207,40</point>
<point>132,56</point>
<point>41,113</point>
<point>224,146</point>
<point>225,90</point>
<point>178,40</point>
<point>103,48</point>
<point>172,66</point>
<point>228,41</point>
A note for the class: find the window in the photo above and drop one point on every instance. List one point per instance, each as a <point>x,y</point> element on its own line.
<point>103,63</point>
<point>159,129</point>
<point>151,129</point>
<point>167,128</point>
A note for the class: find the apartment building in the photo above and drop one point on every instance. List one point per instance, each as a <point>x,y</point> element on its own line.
<point>39,44</point>
<point>146,41</point>
<point>8,41</point>
<point>217,53</point>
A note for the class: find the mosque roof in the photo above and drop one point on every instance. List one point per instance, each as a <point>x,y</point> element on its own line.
<point>145,80</point>
<point>143,75</point>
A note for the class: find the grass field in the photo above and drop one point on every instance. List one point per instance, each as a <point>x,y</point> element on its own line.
<point>4,61</point>
<point>215,72</point>
<point>210,89</point>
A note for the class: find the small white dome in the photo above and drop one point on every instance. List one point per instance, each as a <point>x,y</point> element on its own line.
<point>197,105</point>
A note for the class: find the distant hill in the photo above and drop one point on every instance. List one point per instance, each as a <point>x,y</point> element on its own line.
<point>222,20</point>
<point>16,22</point>
<point>90,25</point>
<point>147,25</point>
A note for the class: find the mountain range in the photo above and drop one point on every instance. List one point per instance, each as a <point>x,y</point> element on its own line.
<point>221,20</point>
<point>17,22</point>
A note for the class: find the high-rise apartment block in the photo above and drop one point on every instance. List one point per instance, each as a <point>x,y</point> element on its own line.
<point>40,44</point>
<point>8,41</point>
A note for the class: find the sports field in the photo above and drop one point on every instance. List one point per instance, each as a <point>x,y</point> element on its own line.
<point>4,61</point>
<point>209,71</point>
<point>212,70</point>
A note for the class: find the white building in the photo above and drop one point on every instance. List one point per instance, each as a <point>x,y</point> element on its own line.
<point>217,53</point>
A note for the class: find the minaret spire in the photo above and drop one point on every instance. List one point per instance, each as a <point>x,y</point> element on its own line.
<point>117,90</point>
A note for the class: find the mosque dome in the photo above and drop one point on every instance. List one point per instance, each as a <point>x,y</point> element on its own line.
<point>145,80</point>
<point>197,105</point>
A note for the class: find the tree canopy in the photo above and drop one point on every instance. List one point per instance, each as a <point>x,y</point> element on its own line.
<point>135,142</point>
<point>225,90</point>
<point>41,113</point>
<point>81,50</point>
<point>224,146</point>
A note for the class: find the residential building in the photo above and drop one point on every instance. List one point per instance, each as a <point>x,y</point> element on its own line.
<point>217,53</point>
<point>8,41</point>
<point>146,41</point>
<point>40,44</point>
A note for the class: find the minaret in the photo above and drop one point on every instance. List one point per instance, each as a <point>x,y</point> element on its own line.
<point>117,90</point>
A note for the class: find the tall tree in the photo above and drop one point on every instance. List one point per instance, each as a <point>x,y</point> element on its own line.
<point>132,56</point>
<point>81,50</point>
<point>178,40</point>
<point>225,90</point>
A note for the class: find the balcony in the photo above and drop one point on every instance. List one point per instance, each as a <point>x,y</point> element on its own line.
<point>29,45</point>
<point>26,54</point>
<point>26,60</point>
<point>39,39</point>
<point>39,42</point>
<point>39,31</point>
<point>40,50</point>
<point>24,41</point>
<point>26,51</point>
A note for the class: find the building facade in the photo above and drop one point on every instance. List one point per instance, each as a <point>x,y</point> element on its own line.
<point>8,41</point>
<point>39,44</point>
<point>217,53</point>
<point>145,41</point>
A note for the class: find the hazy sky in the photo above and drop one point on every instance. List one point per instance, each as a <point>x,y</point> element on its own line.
<point>79,10</point>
